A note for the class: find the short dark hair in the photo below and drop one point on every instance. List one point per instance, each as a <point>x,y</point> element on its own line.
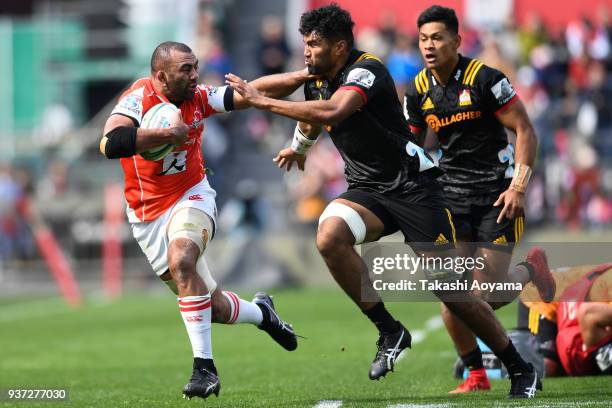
<point>331,22</point>
<point>161,54</point>
<point>439,14</point>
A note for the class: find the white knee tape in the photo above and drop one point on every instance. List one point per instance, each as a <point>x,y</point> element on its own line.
<point>204,272</point>
<point>350,216</point>
<point>191,223</point>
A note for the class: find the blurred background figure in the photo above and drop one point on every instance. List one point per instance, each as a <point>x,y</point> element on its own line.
<point>273,51</point>
<point>403,63</point>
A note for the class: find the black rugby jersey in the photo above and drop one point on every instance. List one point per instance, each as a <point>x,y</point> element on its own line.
<point>476,157</point>
<point>379,152</point>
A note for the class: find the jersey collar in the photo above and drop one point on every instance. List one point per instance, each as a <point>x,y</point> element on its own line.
<point>460,68</point>
<point>455,76</point>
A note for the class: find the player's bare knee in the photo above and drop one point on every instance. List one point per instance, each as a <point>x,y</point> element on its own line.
<point>182,265</point>
<point>332,241</point>
<point>182,248</point>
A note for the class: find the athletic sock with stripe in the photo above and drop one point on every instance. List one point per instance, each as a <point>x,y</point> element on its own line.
<point>196,313</point>
<point>242,311</point>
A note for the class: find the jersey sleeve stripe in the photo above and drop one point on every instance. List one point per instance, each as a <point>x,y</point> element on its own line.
<point>474,72</point>
<point>425,81</point>
<point>418,81</point>
<point>422,82</point>
<point>417,84</point>
<point>508,104</point>
<point>367,55</point>
<point>468,71</point>
<point>357,89</point>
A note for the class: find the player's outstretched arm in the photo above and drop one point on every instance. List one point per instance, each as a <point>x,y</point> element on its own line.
<point>515,118</point>
<point>275,86</point>
<point>341,105</point>
<point>121,138</point>
<point>304,137</point>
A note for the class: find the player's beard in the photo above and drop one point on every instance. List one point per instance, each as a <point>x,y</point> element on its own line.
<point>318,69</point>
<point>189,90</point>
<point>189,94</point>
<point>312,70</point>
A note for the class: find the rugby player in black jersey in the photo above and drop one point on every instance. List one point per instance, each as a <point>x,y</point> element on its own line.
<point>391,181</point>
<point>469,106</point>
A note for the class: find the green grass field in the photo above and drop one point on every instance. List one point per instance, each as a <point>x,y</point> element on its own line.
<point>135,353</point>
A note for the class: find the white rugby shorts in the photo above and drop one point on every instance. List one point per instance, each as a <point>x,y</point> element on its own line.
<point>152,236</point>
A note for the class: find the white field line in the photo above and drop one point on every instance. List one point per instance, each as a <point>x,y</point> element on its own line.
<point>555,404</point>
<point>418,336</point>
<point>566,404</point>
<point>432,324</point>
<point>329,404</point>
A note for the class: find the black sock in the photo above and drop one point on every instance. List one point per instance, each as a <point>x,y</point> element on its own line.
<point>381,318</point>
<point>473,359</point>
<point>512,359</point>
<point>529,268</point>
<point>206,363</point>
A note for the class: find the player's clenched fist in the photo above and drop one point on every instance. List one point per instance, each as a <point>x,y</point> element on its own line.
<point>178,133</point>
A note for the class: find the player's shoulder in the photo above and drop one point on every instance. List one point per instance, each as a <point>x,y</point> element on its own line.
<point>144,81</point>
<point>367,59</point>
<point>135,100</point>
<point>136,88</point>
<point>419,84</point>
<point>478,73</point>
<point>139,86</point>
<point>364,69</point>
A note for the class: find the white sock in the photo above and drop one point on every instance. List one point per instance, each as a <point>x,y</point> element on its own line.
<point>196,313</point>
<point>242,311</point>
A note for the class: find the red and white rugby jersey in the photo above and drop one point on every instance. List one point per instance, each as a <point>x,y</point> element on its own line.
<point>152,187</point>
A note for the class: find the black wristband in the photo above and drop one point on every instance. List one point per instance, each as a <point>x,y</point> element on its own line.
<point>121,142</point>
<point>228,99</point>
